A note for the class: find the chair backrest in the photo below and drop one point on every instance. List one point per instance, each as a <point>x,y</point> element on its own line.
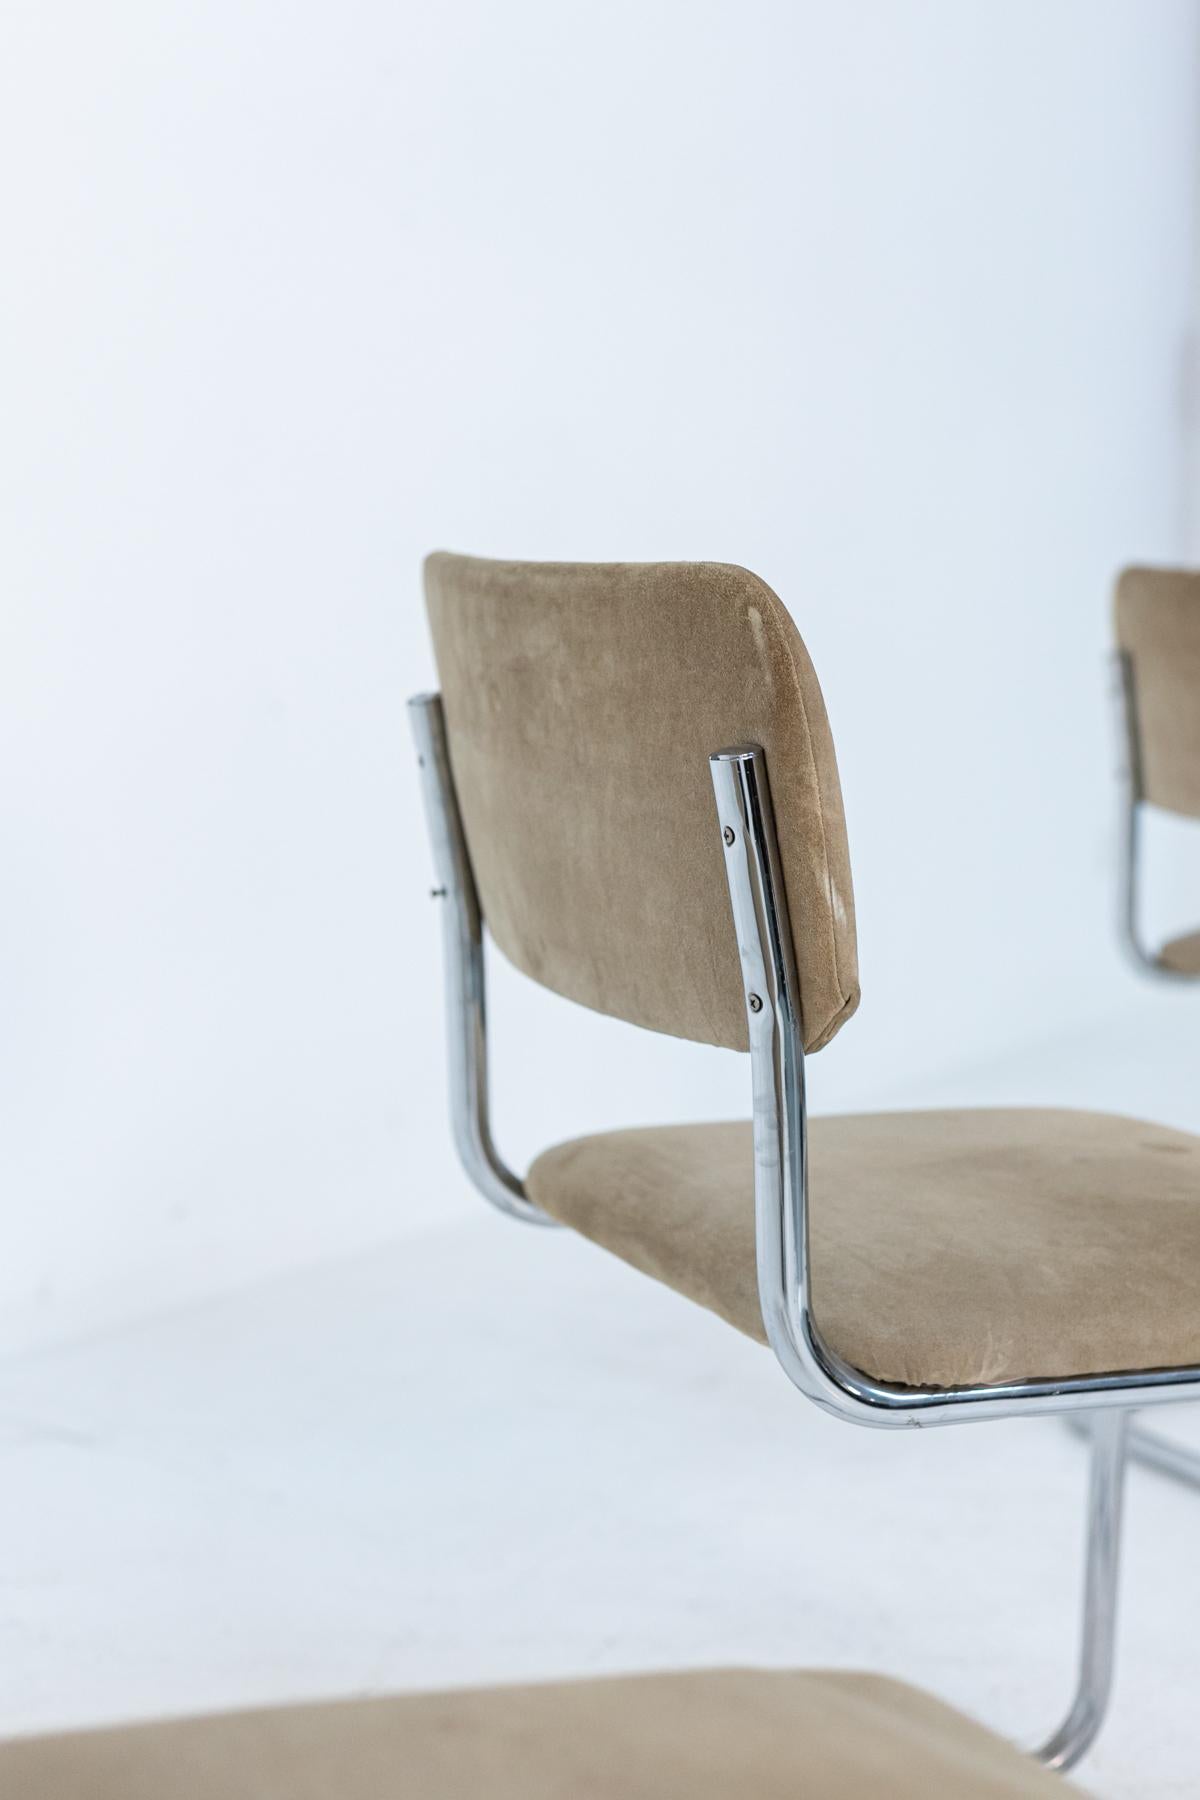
<point>1158,626</point>
<point>582,702</point>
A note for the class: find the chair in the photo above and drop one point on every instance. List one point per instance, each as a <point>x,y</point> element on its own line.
<point>1158,687</point>
<point>709,1735</point>
<point>629,775</point>
<point>580,705</point>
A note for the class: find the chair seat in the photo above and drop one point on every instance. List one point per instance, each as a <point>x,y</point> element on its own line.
<point>712,1735</point>
<point>947,1247</point>
<point>1182,954</point>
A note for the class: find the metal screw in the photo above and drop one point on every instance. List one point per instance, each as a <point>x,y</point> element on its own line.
<point>728,834</point>
<point>755,1003</point>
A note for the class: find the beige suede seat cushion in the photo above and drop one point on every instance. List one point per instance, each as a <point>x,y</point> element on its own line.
<point>712,1735</point>
<point>1182,954</point>
<point>947,1247</point>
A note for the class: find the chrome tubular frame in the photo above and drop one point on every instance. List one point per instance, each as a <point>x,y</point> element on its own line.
<point>764,942</point>
<point>462,934</point>
<point>1153,1450</point>
<point>1132,802</point>
<point>1106,1490</point>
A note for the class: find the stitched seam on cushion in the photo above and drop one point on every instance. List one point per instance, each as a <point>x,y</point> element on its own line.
<point>781,635</point>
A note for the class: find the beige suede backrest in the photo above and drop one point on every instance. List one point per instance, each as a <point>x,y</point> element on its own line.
<point>1158,623</point>
<point>582,703</point>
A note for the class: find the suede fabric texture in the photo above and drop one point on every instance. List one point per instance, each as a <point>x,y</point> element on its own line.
<point>582,704</point>
<point>710,1735</point>
<point>1182,954</point>
<point>1158,623</point>
<point>947,1247</point>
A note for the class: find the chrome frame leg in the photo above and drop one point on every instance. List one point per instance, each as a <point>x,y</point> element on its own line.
<point>466,990</point>
<point>1153,1451</point>
<point>758,901</point>
<point>1109,1433</point>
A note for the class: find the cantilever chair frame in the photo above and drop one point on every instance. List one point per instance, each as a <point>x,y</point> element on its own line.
<point>744,817</point>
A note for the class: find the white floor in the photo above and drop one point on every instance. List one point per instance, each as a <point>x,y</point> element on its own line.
<point>492,1453</point>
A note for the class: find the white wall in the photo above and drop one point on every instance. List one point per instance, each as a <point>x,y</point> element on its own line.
<point>888,301</point>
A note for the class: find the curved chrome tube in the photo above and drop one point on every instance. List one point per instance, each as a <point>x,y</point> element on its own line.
<point>764,941</point>
<point>1077,1733</point>
<point>1153,1450</point>
<point>466,1011</point>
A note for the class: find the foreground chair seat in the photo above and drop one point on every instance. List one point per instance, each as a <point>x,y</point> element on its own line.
<point>947,1247</point>
<point>709,1735</point>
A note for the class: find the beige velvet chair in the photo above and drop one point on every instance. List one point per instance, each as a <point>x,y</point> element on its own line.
<point>630,776</point>
<point>581,705</point>
<point>1158,665</point>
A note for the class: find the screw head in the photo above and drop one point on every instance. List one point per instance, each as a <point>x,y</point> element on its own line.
<point>755,1003</point>
<point>728,834</point>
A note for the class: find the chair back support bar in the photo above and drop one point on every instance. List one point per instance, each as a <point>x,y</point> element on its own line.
<point>466,993</point>
<point>582,702</point>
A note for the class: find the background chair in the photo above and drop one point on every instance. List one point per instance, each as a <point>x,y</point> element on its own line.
<point>1158,689</point>
<point>951,1266</point>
